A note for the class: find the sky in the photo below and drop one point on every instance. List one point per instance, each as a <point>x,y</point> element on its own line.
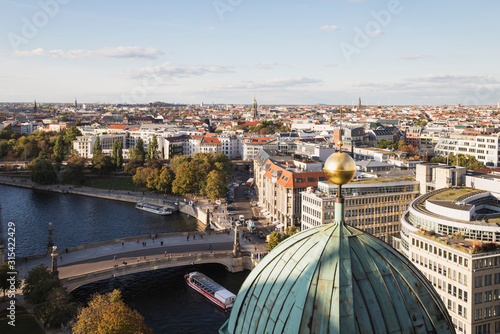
<point>395,52</point>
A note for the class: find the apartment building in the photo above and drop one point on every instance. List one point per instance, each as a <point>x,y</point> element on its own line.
<point>252,146</point>
<point>374,205</point>
<point>484,148</point>
<point>83,145</point>
<point>279,182</point>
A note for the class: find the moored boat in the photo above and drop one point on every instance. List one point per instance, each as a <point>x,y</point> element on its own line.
<point>159,210</point>
<point>213,291</point>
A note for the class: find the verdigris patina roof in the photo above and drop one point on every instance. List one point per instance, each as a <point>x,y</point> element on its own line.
<point>336,279</point>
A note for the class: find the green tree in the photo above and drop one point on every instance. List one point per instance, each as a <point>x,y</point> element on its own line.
<point>114,152</point>
<point>75,169</point>
<point>138,152</point>
<point>38,284</point>
<point>119,155</point>
<point>59,149</point>
<point>102,165</point>
<point>7,278</point>
<point>96,151</point>
<point>152,149</point>
<point>57,307</point>
<point>42,171</point>
<point>215,187</point>
<point>107,314</point>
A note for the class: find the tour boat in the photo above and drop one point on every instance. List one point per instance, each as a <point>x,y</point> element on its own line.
<point>159,210</point>
<point>216,293</point>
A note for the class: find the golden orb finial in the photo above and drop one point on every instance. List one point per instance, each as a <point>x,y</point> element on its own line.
<point>340,168</point>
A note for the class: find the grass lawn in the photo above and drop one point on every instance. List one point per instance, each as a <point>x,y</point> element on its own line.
<point>451,194</point>
<point>25,323</point>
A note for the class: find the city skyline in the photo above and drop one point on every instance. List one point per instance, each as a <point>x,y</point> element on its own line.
<point>225,51</point>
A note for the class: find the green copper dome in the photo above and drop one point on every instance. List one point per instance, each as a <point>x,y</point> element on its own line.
<point>336,279</point>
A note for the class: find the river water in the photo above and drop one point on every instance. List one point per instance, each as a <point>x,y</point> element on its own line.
<point>162,297</point>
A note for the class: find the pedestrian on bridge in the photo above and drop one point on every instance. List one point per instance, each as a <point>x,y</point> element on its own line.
<point>114,257</point>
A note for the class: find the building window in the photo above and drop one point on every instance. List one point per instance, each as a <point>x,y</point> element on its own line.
<point>479,281</point>
<point>478,297</point>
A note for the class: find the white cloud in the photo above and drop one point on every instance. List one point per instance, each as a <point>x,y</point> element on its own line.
<point>267,65</point>
<point>418,56</point>
<point>165,71</point>
<point>327,27</point>
<point>281,83</point>
<point>125,52</point>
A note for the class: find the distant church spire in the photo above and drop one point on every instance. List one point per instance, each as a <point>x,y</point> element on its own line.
<point>359,103</point>
<point>255,115</point>
<point>35,109</point>
<point>76,104</point>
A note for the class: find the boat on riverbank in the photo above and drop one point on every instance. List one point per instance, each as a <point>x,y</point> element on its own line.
<point>159,210</point>
<point>214,292</point>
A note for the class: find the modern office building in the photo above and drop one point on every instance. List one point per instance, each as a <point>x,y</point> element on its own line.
<point>484,148</point>
<point>452,236</point>
<point>373,205</point>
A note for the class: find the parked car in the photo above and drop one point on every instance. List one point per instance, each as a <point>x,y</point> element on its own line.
<point>262,235</point>
<point>232,212</point>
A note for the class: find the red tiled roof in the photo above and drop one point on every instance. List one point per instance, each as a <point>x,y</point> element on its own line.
<point>210,141</point>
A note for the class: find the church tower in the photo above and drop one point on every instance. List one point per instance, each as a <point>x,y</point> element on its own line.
<point>35,109</point>
<point>255,114</point>
<point>76,104</point>
<point>359,103</point>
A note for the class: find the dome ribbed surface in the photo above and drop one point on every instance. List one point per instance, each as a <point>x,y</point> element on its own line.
<point>336,279</point>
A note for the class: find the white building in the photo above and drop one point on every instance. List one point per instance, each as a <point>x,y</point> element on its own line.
<point>484,148</point>
<point>452,236</point>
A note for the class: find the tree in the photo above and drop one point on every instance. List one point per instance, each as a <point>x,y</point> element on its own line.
<point>273,240</point>
<point>138,153</point>
<point>215,187</point>
<point>119,155</point>
<point>59,149</point>
<point>109,314</point>
<point>7,279</point>
<point>38,284</point>
<point>167,176</point>
<point>57,307</point>
<point>102,165</point>
<point>96,151</point>
<point>75,169</point>
<point>43,172</point>
<point>152,149</point>
<point>114,152</point>
<point>131,167</point>
<point>185,179</point>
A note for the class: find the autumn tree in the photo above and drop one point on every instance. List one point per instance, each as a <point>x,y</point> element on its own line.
<point>109,314</point>
<point>273,240</point>
<point>167,177</point>
<point>185,179</point>
<point>131,166</point>
<point>75,169</point>
<point>216,185</point>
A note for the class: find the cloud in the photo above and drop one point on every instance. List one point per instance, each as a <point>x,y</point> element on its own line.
<point>207,28</point>
<point>125,52</point>
<point>330,28</point>
<point>281,83</point>
<point>418,56</point>
<point>165,71</point>
<point>267,65</point>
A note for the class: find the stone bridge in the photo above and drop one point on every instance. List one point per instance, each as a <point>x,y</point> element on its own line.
<point>245,261</point>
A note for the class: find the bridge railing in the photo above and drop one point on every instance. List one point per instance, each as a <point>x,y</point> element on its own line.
<point>191,257</point>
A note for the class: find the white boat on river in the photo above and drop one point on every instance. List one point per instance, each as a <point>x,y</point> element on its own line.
<point>159,210</point>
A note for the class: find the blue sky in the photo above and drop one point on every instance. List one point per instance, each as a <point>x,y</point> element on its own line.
<point>227,51</point>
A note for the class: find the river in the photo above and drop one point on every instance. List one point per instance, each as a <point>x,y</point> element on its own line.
<point>162,297</point>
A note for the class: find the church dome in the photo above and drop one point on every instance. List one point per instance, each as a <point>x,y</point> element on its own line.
<point>336,279</point>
